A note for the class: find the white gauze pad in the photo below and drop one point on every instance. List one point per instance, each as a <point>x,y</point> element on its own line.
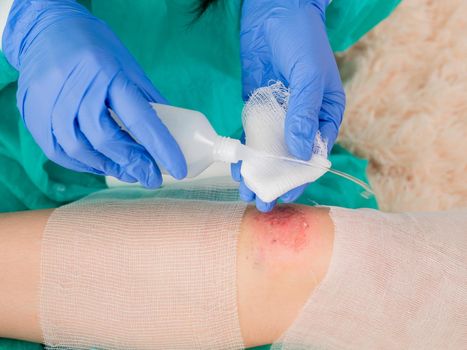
<point>264,122</point>
<point>134,269</point>
<point>395,281</point>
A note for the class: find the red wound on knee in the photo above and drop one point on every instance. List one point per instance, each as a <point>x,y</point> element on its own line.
<point>284,230</point>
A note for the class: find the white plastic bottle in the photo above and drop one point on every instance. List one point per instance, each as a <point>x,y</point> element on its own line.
<point>269,174</point>
<point>197,139</point>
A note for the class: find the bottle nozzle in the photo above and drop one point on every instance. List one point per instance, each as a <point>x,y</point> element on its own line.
<point>229,150</point>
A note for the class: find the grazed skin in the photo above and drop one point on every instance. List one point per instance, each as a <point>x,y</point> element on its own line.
<point>282,256</point>
<point>283,232</point>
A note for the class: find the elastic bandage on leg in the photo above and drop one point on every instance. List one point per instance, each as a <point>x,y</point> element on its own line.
<point>395,281</point>
<point>142,270</point>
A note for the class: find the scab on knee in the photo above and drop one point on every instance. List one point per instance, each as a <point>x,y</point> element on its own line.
<point>285,227</point>
<point>283,235</point>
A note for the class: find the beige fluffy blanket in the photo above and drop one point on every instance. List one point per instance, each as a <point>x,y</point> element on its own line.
<point>406,84</point>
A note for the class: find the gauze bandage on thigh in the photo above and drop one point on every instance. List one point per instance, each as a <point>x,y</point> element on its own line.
<point>395,281</point>
<point>264,124</point>
<point>136,269</point>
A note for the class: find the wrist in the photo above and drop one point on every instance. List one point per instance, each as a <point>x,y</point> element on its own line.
<point>27,18</point>
<point>21,15</point>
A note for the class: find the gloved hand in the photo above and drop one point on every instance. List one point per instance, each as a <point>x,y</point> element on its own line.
<point>286,40</point>
<point>72,69</point>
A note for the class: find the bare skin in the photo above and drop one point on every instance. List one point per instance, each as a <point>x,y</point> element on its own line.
<point>20,249</point>
<point>281,258</point>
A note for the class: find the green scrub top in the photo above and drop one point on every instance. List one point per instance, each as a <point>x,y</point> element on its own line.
<point>195,63</point>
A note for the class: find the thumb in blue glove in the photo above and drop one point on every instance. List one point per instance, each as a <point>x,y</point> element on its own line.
<point>72,70</point>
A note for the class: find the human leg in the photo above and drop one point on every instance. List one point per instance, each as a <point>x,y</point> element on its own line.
<point>348,279</point>
<point>269,287</point>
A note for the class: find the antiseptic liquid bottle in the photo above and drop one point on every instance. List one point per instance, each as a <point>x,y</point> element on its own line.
<point>199,143</point>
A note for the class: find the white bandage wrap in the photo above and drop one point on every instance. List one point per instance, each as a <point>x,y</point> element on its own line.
<point>136,269</point>
<point>395,281</point>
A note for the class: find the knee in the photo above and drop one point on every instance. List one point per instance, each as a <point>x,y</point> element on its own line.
<point>282,256</point>
<point>289,237</point>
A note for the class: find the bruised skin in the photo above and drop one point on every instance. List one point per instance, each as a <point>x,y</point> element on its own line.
<point>282,257</point>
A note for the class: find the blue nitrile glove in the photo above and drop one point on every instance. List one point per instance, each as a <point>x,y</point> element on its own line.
<point>72,69</point>
<point>286,40</point>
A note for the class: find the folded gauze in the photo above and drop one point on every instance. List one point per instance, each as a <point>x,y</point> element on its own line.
<point>264,123</point>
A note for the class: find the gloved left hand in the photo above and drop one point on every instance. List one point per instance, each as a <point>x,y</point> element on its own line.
<point>72,69</point>
<point>286,40</point>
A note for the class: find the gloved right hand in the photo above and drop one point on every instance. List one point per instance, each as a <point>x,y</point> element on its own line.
<point>72,70</point>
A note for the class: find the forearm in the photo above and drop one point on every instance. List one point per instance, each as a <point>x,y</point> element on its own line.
<point>281,257</point>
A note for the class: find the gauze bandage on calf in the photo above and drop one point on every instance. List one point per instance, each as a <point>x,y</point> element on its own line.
<point>264,123</point>
<point>395,281</point>
<point>135,269</point>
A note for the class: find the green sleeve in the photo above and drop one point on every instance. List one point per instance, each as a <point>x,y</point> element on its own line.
<point>7,73</point>
<point>349,20</point>
<point>10,344</point>
<point>86,3</point>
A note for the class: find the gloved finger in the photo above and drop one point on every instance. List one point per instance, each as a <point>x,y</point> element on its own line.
<point>302,119</point>
<point>254,74</point>
<point>292,195</point>
<point>106,137</point>
<point>264,207</point>
<point>245,193</point>
<point>140,119</point>
<point>78,148</point>
<point>235,168</point>
<point>256,70</point>
<point>329,131</point>
<point>235,171</point>
<point>330,117</point>
<point>255,50</point>
<point>59,157</point>
<point>65,128</point>
<point>43,134</point>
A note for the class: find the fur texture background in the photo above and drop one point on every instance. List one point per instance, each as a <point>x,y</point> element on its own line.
<point>406,84</point>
